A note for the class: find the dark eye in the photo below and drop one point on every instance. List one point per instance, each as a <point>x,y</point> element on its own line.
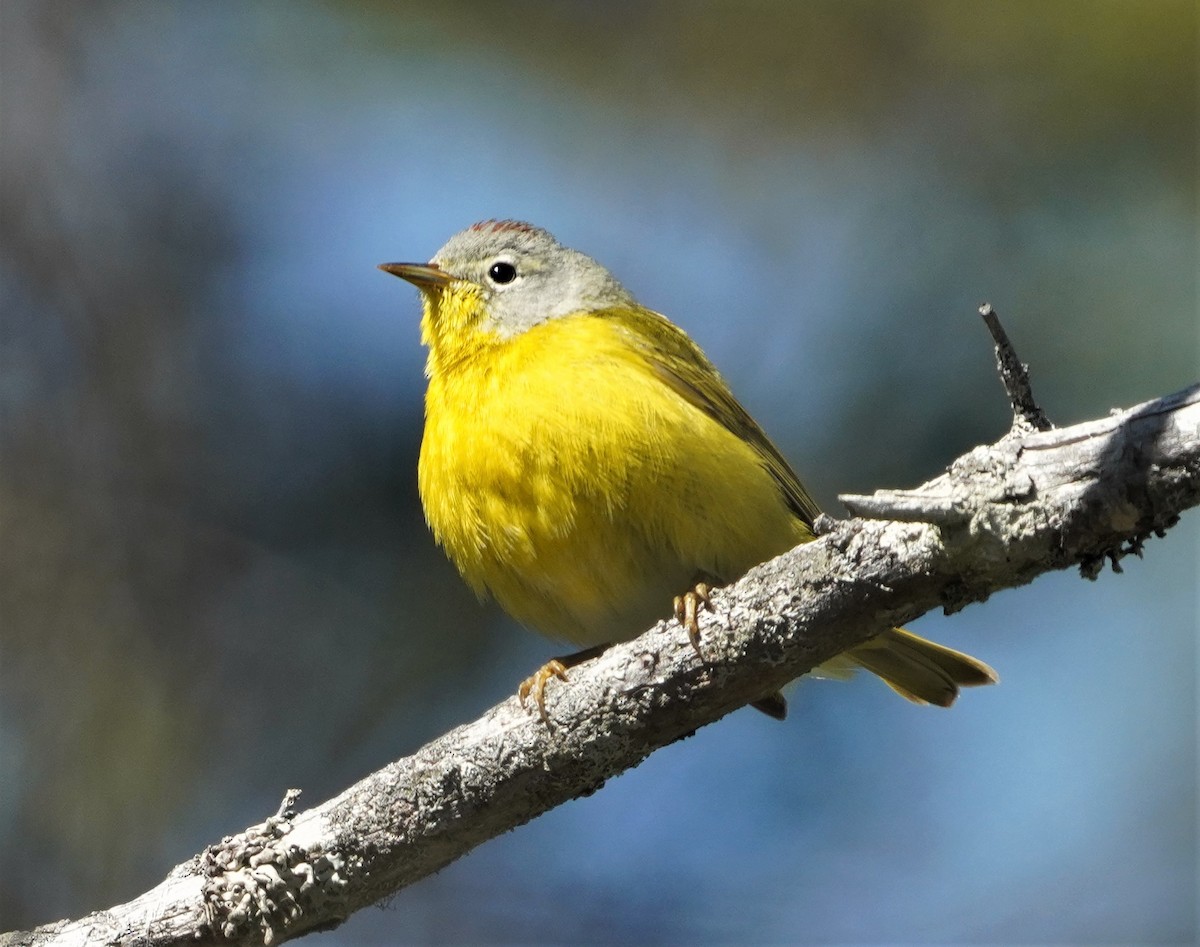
<point>501,272</point>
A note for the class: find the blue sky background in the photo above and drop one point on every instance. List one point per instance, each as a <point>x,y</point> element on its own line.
<point>215,581</point>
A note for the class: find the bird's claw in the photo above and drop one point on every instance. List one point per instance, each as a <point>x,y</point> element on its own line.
<point>536,683</point>
<point>687,607</point>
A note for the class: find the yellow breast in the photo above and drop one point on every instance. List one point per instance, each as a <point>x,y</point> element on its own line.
<point>564,477</point>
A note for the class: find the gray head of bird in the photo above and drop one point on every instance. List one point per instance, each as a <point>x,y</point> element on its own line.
<point>520,273</point>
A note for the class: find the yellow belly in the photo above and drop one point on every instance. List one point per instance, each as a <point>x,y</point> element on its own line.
<point>564,478</point>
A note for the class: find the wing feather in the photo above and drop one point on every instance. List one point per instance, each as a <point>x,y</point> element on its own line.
<point>683,366</point>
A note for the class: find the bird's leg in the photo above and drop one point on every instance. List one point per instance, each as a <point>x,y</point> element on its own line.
<point>536,683</point>
<point>687,607</point>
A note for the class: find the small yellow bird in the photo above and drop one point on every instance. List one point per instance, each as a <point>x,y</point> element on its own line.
<point>584,463</point>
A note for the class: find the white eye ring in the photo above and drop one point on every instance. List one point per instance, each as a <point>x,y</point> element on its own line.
<point>501,272</point>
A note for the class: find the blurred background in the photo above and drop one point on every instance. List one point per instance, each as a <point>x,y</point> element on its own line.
<point>215,579</point>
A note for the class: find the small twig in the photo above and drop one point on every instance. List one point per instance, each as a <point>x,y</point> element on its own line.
<point>287,808</point>
<point>904,506</point>
<point>1015,376</point>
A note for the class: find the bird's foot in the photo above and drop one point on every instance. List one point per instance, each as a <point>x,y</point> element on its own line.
<point>687,607</point>
<point>535,685</point>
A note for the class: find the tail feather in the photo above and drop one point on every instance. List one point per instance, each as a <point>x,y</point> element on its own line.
<point>920,670</point>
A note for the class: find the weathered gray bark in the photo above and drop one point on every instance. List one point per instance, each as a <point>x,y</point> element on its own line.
<point>1000,516</point>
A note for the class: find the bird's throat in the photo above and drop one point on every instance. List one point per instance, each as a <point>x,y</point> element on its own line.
<point>454,328</point>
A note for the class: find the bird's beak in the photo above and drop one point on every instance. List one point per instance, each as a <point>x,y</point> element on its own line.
<point>421,275</point>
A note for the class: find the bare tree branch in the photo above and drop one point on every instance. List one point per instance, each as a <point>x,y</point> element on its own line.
<point>1000,516</point>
